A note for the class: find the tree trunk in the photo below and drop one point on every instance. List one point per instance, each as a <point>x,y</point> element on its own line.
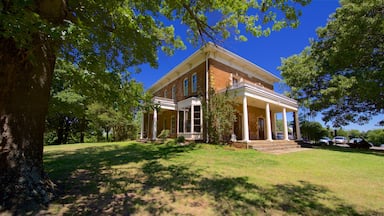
<point>107,132</point>
<point>82,129</point>
<point>25,79</point>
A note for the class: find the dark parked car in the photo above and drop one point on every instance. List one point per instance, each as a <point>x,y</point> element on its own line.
<point>360,143</point>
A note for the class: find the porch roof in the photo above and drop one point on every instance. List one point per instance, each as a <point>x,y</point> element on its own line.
<point>165,103</point>
<point>263,95</point>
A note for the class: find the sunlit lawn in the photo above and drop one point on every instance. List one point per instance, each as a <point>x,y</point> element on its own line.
<point>152,179</point>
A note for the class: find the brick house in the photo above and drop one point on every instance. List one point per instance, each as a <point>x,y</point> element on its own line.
<point>181,92</point>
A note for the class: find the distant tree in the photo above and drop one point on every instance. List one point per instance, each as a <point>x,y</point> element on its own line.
<point>342,132</point>
<point>279,125</point>
<point>341,74</point>
<point>75,90</point>
<point>354,133</point>
<point>220,116</point>
<point>312,130</point>
<point>376,136</point>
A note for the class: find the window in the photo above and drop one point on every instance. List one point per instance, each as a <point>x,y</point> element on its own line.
<point>181,121</point>
<point>186,87</point>
<point>194,82</point>
<point>173,124</point>
<point>235,82</point>
<point>173,92</point>
<point>196,119</point>
<point>165,93</point>
<point>187,114</point>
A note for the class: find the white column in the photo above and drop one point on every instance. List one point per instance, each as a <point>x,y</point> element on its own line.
<point>184,122</point>
<point>142,126</point>
<point>297,125</point>
<point>154,129</point>
<point>245,120</point>
<point>268,117</point>
<point>201,120</point>
<point>285,124</point>
<point>177,123</point>
<point>192,123</point>
<point>273,121</point>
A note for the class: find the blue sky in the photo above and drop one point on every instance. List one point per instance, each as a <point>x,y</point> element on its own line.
<point>264,51</point>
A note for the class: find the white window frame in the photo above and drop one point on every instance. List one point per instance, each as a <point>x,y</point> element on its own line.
<point>165,93</point>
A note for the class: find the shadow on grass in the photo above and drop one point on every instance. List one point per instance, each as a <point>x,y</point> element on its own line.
<point>145,184</point>
<point>353,150</point>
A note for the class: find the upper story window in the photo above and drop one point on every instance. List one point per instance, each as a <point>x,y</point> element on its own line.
<point>186,87</point>
<point>194,82</point>
<point>235,81</point>
<point>165,93</point>
<point>173,92</point>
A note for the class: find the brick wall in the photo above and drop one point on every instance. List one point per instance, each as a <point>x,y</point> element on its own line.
<point>179,84</point>
<point>220,76</point>
<point>254,113</point>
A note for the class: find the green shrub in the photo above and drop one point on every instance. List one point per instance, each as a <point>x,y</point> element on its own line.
<point>163,135</point>
<point>180,139</point>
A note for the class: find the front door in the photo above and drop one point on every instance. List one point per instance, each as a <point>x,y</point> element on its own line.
<point>260,128</point>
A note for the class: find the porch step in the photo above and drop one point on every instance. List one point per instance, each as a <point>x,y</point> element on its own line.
<point>268,146</point>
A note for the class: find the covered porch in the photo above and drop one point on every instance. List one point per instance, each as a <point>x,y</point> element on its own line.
<point>258,108</point>
<point>184,118</point>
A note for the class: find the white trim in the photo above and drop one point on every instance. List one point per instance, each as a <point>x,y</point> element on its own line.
<point>192,118</point>
<point>154,129</point>
<point>266,95</point>
<point>165,103</point>
<point>240,60</point>
<point>245,120</point>
<point>142,126</point>
<point>177,122</point>
<point>268,118</point>
<point>188,102</point>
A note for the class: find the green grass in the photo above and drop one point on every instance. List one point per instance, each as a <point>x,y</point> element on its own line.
<point>152,179</point>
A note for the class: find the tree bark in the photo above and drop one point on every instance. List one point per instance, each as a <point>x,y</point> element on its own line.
<point>82,129</point>
<point>25,80</point>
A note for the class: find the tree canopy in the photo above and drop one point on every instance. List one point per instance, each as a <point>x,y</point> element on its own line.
<point>118,34</point>
<point>341,73</point>
<point>83,103</point>
<point>97,36</point>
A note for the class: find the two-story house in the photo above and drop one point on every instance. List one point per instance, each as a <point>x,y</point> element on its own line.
<point>182,91</point>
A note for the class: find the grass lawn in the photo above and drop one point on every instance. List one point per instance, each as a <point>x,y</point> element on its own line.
<point>151,179</point>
